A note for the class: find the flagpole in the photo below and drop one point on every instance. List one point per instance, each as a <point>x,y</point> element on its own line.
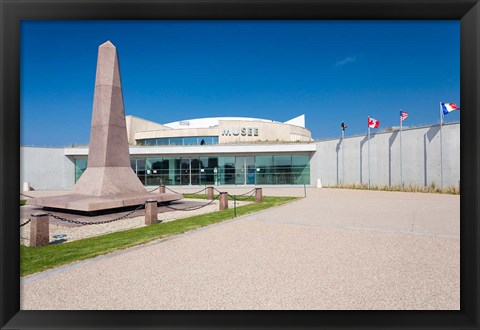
<point>369,154</point>
<point>441,147</point>
<point>401,154</point>
<point>343,156</point>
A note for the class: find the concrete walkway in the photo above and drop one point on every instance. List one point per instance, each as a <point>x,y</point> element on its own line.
<point>336,249</point>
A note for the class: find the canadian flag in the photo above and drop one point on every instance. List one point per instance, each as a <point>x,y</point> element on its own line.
<point>373,123</point>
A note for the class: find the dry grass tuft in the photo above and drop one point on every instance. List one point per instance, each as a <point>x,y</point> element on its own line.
<point>452,190</point>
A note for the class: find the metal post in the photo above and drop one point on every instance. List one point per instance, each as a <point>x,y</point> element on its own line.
<point>441,146</point>
<point>343,158</point>
<point>190,171</point>
<point>234,206</point>
<point>369,156</point>
<point>401,154</point>
<point>161,189</point>
<point>304,190</point>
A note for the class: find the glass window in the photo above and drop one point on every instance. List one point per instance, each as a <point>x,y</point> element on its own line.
<point>282,161</point>
<point>153,166</point>
<point>211,170</point>
<point>226,170</point>
<point>239,170</point>
<point>300,160</point>
<point>282,169</point>
<point>264,161</point>
<point>80,167</point>
<point>195,171</point>
<point>208,170</point>
<point>250,170</point>
<point>170,171</point>
<point>264,169</point>
<point>141,169</point>
<point>185,171</point>
<point>300,169</point>
<point>150,142</point>
<point>190,140</point>
<point>176,141</point>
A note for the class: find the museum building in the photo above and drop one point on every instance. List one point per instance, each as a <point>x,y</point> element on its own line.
<point>214,151</point>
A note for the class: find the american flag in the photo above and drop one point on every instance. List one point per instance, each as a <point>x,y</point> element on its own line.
<point>403,115</point>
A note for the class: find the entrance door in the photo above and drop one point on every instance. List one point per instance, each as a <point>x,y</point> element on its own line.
<point>239,170</point>
<point>195,170</point>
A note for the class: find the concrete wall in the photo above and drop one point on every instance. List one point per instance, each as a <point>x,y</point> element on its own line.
<point>46,168</point>
<point>421,158</point>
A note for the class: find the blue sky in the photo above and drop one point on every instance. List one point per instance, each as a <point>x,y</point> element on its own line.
<point>173,70</point>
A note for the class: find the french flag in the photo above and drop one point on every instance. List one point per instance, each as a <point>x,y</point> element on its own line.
<point>373,123</point>
<point>448,107</point>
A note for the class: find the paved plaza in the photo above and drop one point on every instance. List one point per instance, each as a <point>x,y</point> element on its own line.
<point>335,249</point>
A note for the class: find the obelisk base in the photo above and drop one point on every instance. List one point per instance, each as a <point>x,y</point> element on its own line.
<point>83,203</point>
<point>107,181</point>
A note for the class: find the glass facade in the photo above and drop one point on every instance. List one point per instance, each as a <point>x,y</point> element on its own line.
<point>179,141</point>
<point>217,170</point>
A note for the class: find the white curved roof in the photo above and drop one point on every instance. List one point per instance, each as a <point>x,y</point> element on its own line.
<point>209,122</point>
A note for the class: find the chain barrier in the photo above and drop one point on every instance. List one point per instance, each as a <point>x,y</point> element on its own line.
<point>244,197</point>
<point>22,194</point>
<point>190,193</point>
<point>197,192</point>
<point>23,224</point>
<point>154,189</point>
<point>248,192</point>
<point>217,190</point>
<point>83,223</point>
<point>175,192</point>
<point>191,208</point>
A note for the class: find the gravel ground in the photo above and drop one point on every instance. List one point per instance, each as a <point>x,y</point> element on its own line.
<point>335,249</point>
<point>73,233</point>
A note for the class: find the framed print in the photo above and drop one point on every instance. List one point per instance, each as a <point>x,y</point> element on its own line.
<point>16,13</point>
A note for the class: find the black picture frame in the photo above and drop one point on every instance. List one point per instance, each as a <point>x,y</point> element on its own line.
<point>13,11</point>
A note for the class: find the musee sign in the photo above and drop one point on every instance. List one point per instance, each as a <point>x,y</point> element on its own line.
<point>243,131</point>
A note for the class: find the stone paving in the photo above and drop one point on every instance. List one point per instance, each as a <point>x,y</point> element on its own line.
<point>336,249</point>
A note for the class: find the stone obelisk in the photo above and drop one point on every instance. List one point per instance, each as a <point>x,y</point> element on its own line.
<point>108,169</point>
<point>108,182</point>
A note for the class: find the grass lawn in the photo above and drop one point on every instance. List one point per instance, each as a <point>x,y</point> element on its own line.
<point>23,202</point>
<point>33,260</point>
